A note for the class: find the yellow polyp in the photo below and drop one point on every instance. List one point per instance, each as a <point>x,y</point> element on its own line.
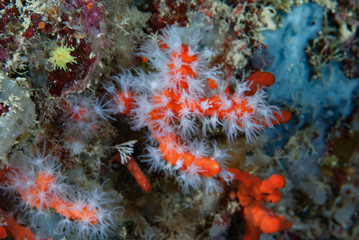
<point>62,56</point>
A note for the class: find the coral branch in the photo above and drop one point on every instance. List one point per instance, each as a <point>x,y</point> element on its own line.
<point>186,93</point>
<point>252,194</point>
<point>16,231</point>
<point>40,183</point>
<point>141,179</point>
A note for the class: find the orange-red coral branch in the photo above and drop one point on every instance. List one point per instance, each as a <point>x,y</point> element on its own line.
<point>252,194</point>
<point>141,179</point>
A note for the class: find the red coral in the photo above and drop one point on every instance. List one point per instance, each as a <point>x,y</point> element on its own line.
<point>138,174</point>
<point>14,228</point>
<point>135,170</point>
<point>187,94</point>
<point>252,193</point>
